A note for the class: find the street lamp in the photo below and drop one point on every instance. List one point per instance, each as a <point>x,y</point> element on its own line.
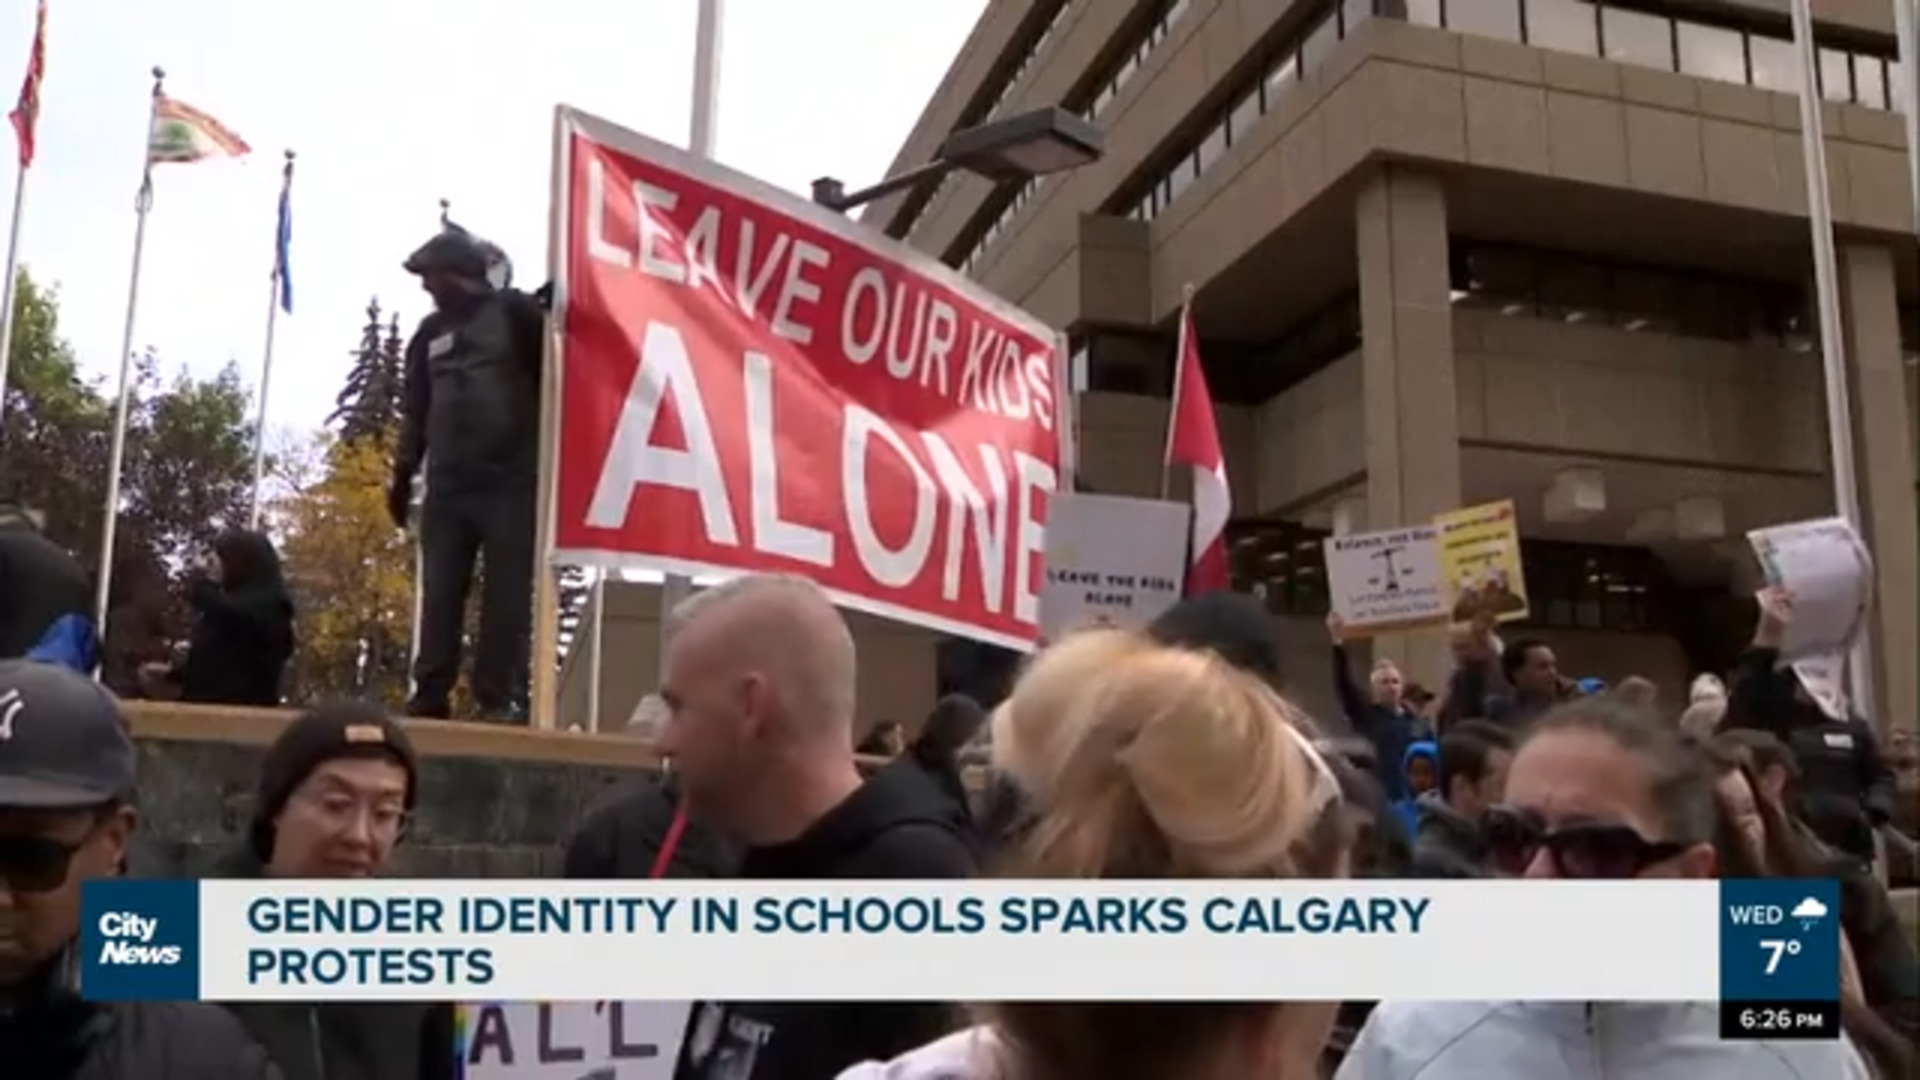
<point>1034,143</point>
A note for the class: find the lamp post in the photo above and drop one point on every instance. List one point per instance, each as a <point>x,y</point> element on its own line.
<point>1031,144</point>
<point>1907,22</point>
<point>1038,142</point>
<point>1833,344</point>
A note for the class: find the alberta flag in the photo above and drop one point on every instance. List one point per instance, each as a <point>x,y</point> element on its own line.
<point>182,134</point>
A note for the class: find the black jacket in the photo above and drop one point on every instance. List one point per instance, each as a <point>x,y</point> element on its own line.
<point>1477,691</point>
<point>1846,787</point>
<point>50,1033</point>
<point>1883,950</point>
<point>1390,731</point>
<point>900,824</point>
<point>39,583</point>
<point>346,1040</point>
<point>621,839</point>
<point>1447,844</point>
<point>242,639</point>
<point>471,406</point>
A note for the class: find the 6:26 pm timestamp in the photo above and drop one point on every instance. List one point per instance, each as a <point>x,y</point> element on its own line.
<point>1779,1020</point>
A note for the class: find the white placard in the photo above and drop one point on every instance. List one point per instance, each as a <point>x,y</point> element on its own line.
<point>1388,579</point>
<point>1825,566</point>
<point>579,1040</point>
<point>1111,560</point>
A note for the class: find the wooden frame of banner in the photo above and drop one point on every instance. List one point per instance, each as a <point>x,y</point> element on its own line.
<point>1067,413</point>
<point>543,705</point>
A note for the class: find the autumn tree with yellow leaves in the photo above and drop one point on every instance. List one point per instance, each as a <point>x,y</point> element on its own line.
<point>351,573</point>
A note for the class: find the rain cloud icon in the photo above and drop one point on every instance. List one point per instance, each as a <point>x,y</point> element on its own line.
<point>1809,912</point>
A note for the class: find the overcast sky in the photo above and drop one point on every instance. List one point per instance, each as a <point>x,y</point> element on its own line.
<point>391,106</point>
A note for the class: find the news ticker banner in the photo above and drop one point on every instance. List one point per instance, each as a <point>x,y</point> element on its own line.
<point>1772,943</point>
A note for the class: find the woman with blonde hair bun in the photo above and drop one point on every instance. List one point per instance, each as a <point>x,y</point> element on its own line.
<point>1173,765</point>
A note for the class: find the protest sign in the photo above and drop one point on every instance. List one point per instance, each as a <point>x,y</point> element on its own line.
<point>1480,562</point>
<point>1825,566</point>
<point>1111,560</point>
<point>1387,580</point>
<point>576,1040</point>
<point>751,383</point>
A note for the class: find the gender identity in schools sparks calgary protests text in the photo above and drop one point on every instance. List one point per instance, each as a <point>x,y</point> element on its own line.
<point>907,941</point>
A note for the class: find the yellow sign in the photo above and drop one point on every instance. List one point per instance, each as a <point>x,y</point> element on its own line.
<point>1480,562</point>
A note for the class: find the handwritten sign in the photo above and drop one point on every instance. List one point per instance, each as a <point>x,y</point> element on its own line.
<point>1111,561</point>
<point>1480,562</point>
<point>1387,580</point>
<point>1825,565</point>
<point>580,1040</point>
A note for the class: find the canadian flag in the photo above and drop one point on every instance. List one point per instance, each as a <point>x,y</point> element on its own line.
<point>1193,441</point>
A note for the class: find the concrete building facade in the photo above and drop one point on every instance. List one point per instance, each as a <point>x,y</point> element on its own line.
<point>1449,251</point>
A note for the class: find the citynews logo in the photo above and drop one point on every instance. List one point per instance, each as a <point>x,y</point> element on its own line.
<point>128,941</point>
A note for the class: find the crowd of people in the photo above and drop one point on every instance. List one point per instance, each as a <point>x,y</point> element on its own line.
<point>1167,753</point>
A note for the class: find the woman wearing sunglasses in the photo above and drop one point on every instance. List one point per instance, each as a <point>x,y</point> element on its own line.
<point>1597,790</point>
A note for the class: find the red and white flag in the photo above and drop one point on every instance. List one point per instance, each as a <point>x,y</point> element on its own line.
<point>1193,441</point>
<point>26,115</point>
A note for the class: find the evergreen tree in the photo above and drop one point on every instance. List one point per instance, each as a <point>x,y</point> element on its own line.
<point>369,403</point>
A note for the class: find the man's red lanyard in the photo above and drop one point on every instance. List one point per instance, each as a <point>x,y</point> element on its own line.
<point>670,845</point>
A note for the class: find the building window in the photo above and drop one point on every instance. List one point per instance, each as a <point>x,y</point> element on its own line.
<point>1211,148</point>
<point>1286,67</point>
<point>1776,64</point>
<point>1243,118</point>
<point>1518,281</point>
<point>1870,81</point>
<point>1423,12</point>
<point>1487,18</point>
<point>1713,52</point>
<point>1634,37</point>
<point>1836,75</point>
<point>1595,587</point>
<point>1282,564</point>
<point>1319,42</point>
<point>1353,13</point>
<point>1281,79</point>
<point>1566,25</point>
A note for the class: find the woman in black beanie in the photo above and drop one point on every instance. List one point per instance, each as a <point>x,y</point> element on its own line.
<point>336,791</point>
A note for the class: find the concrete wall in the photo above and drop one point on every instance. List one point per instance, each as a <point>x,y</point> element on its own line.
<point>494,801</point>
<point>1605,391</point>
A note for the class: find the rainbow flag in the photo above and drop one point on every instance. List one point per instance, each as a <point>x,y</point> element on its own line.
<point>182,134</point>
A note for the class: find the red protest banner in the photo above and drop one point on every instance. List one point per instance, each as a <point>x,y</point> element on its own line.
<point>749,383</point>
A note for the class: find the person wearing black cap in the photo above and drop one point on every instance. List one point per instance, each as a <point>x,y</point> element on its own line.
<point>66,778</point>
<point>471,414</point>
<point>336,791</point>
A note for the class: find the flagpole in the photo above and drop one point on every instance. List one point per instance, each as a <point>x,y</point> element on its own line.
<point>1179,376</point>
<point>116,456</point>
<point>274,296</point>
<point>7,295</point>
<point>702,134</point>
<point>26,120</point>
<point>1833,347</point>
